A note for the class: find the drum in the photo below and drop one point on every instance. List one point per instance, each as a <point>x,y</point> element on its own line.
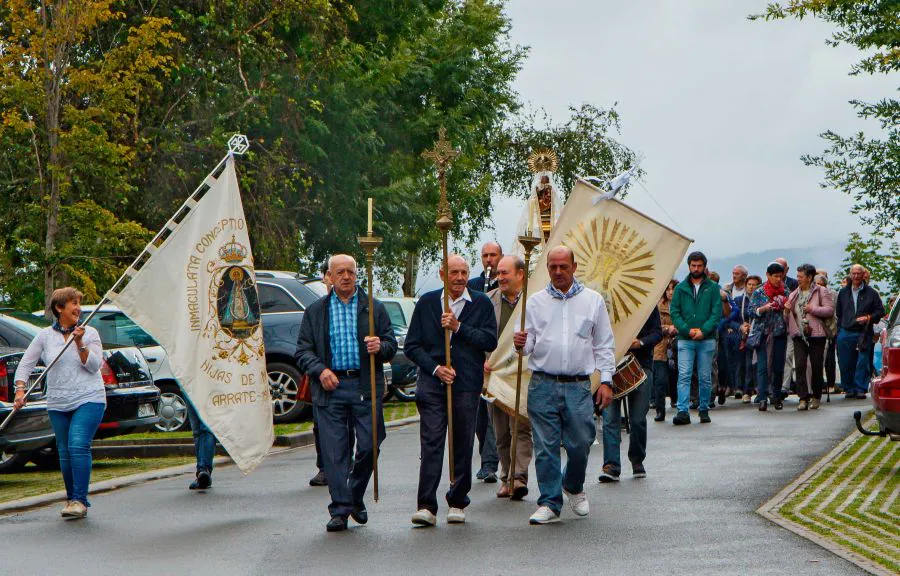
<point>629,375</point>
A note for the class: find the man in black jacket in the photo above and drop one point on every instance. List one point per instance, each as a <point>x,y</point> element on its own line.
<point>474,333</point>
<point>638,404</point>
<point>859,308</point>
<point>333,349</point>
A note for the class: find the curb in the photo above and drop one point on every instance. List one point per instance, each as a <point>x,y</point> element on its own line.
<point>298,439</point>
<point>25,504</point>
<point>301,439</point>
<point>769,511</point>
<point>185,447</point>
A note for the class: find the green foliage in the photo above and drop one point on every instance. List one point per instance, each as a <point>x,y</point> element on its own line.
<point>338,98</point>
<point>584,144</point>
<point>880,258</point>
<point>866,168</point>
<point>75,79</point>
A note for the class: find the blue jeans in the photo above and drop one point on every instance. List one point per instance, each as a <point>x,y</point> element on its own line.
<point>560,413</point>
<point>74,433</point>
<point>638,405</point>
<point>854,364</point>
<point>770,366</point>
<point>690,352</point>
<point>204,440</point>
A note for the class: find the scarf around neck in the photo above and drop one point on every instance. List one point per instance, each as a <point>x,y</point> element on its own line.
<point>772,291</point>
<point>64,331</point>
<point>574,290</point>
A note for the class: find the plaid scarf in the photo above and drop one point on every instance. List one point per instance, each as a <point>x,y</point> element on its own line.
<point>574,290</point>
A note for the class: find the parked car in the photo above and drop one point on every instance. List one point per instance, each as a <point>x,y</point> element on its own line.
<point>885,387</point>
<point>29,431</point>
<point>404,370</point>
<point>283,297</point>
<point>132,401</point>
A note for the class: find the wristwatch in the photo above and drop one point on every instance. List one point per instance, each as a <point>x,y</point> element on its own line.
<point>606,384</point>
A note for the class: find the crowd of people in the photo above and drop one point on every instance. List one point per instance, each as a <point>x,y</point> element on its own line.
<point>701,344</point>
<point>762,339</point>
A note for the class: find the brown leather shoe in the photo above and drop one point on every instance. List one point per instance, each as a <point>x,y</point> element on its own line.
<point>520,490</point>
<point>503,492</point>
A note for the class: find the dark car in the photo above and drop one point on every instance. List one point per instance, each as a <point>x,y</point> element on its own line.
<point>283,296</point>
<point>132,401</point>
<point>405,372</point>
<point>29,431</point>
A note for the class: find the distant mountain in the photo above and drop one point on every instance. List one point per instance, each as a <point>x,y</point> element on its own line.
<point>827,256</point>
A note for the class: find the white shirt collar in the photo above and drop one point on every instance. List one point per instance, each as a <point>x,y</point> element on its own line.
<point>465,296</point>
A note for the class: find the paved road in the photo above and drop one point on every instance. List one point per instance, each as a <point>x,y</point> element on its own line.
<point>694,514</point>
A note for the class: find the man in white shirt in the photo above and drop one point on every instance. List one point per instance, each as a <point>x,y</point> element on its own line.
<point>568,336</point>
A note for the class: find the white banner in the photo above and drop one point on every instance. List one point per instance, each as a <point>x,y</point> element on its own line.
<point>197,297</point>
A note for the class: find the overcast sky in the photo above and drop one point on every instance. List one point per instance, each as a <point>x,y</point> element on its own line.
<point>721,108</point>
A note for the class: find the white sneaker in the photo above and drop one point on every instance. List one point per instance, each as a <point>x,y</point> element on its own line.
<point>424,517</point>
<point>543,515</point>
<point>456,516</point>
<point>579,503</point>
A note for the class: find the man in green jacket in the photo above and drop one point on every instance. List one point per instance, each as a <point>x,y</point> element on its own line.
<point>696,310</point>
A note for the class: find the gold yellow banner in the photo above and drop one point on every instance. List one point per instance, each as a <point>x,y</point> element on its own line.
<point>621,253</point>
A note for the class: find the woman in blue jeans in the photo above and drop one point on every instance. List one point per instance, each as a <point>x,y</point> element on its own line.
<point>76,397</point>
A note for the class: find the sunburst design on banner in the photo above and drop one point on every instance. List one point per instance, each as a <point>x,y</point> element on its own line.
<point>613,259</point>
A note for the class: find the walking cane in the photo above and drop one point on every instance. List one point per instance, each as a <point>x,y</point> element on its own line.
<point>442,155</point>
<point>528,242</point>
<point>370,242</point>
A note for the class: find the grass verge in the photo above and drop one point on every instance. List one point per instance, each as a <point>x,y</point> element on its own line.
<point>32,481</point>
<point>831,502</point>
<point>392,411</point>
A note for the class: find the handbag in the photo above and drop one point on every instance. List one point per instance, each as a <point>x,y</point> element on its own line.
<point>755,336</point>
<point>863,341</point>
<point>304,392</point>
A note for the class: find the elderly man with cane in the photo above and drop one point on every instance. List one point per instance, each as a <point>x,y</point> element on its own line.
<point>473,334</point>
<point>568,337</point>
<point>332,344</point>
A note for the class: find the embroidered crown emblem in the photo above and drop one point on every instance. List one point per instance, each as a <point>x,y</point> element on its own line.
<point>232,252</point>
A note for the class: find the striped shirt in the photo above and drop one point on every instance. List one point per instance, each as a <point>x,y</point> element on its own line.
<point>342,332</point>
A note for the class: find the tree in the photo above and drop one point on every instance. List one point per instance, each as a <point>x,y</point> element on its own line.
<point>881,259</point>
<point>866,168</point>
<point>339,101</point>
<point>584,144</point>
<point>70,113</point>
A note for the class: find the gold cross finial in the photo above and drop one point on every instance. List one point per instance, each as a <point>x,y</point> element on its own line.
<point>442,155</point>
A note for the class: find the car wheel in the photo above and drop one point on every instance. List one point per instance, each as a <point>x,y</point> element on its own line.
<point>46,458</point>
<point>172,410</point>
<point>284,384</point>
<point>407,393</point>
<point>387,394</point>
<point>13,461</point>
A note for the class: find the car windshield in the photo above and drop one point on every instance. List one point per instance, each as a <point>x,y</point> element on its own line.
<point>317,286</point>
<point>118,330</point>
<point>395,311</point>
<point>21,322</point>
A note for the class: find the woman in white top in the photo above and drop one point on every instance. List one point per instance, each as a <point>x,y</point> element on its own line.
<point>76,397</point>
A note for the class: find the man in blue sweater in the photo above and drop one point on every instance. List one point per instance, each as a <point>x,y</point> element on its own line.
<point>474,333</point>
